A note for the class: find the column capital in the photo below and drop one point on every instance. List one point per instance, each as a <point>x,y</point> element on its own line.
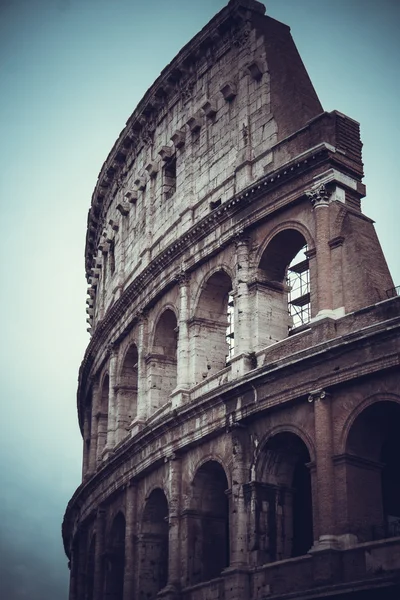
<point>242,238</point>
<point>112,349</point>
<point>316,395</point>
<point>319,196</point>
<point>182,277</point>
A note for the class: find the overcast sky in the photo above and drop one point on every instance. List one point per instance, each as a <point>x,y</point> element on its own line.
<point>71,73</point>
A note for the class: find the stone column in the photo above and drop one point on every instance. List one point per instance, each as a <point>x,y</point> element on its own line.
<point>174,485</point>
<point>98,582</point>
<point>130,532</point>
<point>236,575</point>
<point>242,325</point>
<point>86,441</point>
<point>111,426</point>
<point>324,468</point>
<point>93,429</point>
<point>183,335</point>
<point>320,201</point>
<point>238,524</point>
<point>142,371</point>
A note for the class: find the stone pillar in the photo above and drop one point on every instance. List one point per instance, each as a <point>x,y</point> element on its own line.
<point>93,429</point>
<point>98,582</point>
<point>238,517</point>
<point>236,575</point>
<point>324,469</point>
<point>320,201</point>
<point>142,371</point>
<point>183,335</point>
<point>86,441</point>
<point>111,426</point>
<point>242,325</point>
<point>174,485</point>
<point>130,532</point>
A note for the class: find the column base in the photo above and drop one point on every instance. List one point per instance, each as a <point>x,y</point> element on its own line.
<point>329,313</point>
<point>325,542</point>
<point>241,364</point>
<point>237,582</point>
<point>107,453</point>
<point>179,397</point>
<point>136,426</point>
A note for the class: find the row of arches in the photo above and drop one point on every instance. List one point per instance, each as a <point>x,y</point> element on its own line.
<point>182,356</point>
<point>280,508</point>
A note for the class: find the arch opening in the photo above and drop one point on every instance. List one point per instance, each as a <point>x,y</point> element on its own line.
<point>213,327</point>
<point>127,392</point>
<point>208,524</point>
<point>284,519</point>
<point>283,290</point>
<point>162,362</point>
<point>115,560</point>
<point>153,547</point>
<point>373,472</point>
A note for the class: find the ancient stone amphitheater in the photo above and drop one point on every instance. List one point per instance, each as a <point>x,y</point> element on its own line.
<point>239,398</point>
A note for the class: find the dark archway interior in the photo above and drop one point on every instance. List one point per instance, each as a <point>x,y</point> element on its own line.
<point>89,583</point>
<point>154,546</point>
<point>209,524</point>
<point>373,446</point>
<point>115,560</point>
<point>285,519</point>
<point>280,252</point>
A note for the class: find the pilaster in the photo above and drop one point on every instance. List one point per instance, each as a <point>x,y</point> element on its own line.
<point>130,546</point>
<point>98,583</point>
<point>320,199</point>
<point>94,428</point>
<point>324,469</point>
<point>112,416</point>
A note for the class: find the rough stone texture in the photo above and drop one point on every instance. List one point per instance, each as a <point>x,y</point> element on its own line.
<point>263,465</point>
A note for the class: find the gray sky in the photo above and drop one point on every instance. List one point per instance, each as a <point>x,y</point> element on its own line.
<point>71,73</point>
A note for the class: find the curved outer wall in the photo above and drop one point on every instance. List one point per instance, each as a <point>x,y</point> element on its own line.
<point>221,434</point>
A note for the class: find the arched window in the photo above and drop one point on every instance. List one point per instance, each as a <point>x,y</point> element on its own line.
<point>103,418</point>
<point>162,362</point>
<point>283,499</point>
<point>153,546</point>
<point>373,472</point>
<point>212,328</point>
<point>282,293</point>
<point>115,560</point>
<point>208,525</point>
<point>127,391</point>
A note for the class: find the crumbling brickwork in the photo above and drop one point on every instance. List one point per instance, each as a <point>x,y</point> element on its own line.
<point>239,398</point>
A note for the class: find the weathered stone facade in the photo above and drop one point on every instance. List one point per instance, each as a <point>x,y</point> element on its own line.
<point>240,437</point>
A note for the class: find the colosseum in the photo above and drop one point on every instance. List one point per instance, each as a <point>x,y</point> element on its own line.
<point>239,398</point>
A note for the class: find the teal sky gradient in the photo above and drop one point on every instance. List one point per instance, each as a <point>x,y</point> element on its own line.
<point>71,73</point>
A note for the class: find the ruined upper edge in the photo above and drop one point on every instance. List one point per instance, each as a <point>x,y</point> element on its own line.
<point>151,100</point>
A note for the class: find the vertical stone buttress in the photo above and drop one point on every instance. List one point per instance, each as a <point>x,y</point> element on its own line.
<point>320,201</point>
<point>130,532</point>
